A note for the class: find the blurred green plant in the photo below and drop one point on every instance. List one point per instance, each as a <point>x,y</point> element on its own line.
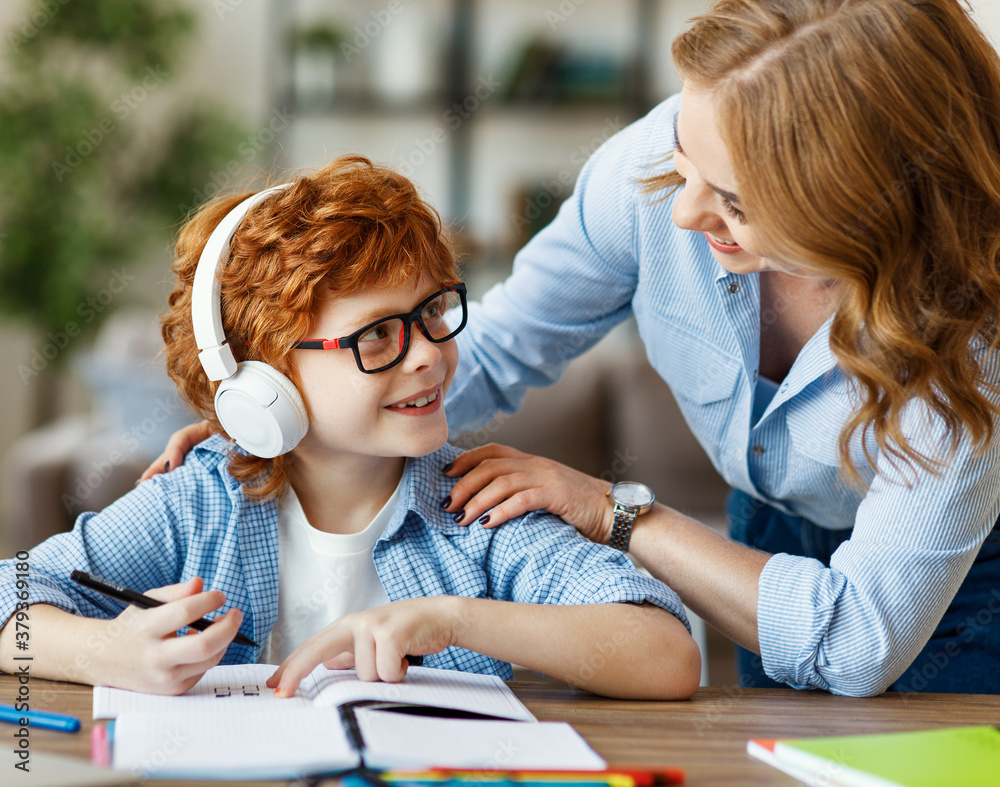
<point>92,177</point>
<point>322,36</point>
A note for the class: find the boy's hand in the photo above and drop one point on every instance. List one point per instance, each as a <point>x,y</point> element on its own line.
<point>178,445</point>
<point>375,642</point>
<point>152,658</point>
<point>498,483</point>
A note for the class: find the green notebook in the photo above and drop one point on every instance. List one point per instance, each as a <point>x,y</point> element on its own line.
<point>956,757</point>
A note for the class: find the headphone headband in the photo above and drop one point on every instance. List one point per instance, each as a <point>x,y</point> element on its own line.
<point>206,304</point>
<point>256,404</point>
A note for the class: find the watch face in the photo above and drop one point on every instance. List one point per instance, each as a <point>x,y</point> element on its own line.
<point>632,494</point>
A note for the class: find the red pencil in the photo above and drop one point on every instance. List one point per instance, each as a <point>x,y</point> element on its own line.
<point>100,746</point>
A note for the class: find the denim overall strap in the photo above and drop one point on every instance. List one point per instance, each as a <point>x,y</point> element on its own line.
<point>963,654</point>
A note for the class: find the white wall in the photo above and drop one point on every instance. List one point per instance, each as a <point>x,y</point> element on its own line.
<point>987,15</point>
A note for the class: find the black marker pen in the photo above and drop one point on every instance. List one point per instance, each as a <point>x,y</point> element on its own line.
<point>141,601</point>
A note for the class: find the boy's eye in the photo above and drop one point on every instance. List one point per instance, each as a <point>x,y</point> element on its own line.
<point>377,333</point>
<point>432,310</point>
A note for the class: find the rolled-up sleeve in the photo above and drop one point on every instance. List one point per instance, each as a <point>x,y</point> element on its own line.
<point>855,627</point>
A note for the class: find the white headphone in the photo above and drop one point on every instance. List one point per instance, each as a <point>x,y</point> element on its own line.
<point>257,405</point>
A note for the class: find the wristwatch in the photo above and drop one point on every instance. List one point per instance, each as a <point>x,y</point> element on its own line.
<point>631,499</point>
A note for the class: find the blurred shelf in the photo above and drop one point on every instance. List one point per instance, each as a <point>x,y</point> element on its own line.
<point>504,83</point>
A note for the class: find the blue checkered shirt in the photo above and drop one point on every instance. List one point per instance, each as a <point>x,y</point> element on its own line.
<point>196,521</point>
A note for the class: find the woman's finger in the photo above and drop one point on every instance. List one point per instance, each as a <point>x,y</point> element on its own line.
<point>474,456</point>
<point>516,505</point>
<point>505,497</point>
<point>158,465</point>
<point>178,446</point>
<point>480,477</point>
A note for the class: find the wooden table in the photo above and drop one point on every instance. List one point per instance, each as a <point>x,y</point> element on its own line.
<point>705,736</point>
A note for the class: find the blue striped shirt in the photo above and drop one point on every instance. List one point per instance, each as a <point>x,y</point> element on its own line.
<point>614,251</point>
<point>196,521</point>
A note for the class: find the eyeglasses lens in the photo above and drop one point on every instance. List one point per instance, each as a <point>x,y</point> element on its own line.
<point>386,341</point>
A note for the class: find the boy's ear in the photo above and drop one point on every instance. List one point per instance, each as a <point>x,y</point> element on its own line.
<point>262,410</point>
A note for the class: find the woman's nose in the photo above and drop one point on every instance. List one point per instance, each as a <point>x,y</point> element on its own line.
<point>694,209</point>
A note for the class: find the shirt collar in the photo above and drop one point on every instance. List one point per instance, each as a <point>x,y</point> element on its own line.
<point>422,489</point>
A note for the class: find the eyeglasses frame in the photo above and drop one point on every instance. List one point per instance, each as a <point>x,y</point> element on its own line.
<point>351,340</point>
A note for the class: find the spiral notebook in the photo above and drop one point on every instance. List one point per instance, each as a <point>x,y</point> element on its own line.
<point>230,725</point>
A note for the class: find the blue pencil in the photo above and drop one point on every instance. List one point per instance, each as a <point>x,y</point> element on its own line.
<point>42,719</point>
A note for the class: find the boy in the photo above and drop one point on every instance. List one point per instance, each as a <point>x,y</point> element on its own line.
<point>333,546</point>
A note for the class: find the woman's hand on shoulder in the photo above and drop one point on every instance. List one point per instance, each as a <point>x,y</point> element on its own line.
<point>498,483</point>
<point>178,445</point>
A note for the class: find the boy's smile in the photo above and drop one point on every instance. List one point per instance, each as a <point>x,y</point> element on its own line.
<point>423,403</point>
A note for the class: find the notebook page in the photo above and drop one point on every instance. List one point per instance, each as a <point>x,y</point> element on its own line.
<point>422,685</point>
<point>281,744</point>
<point>396,740</point>
<point>239,688</point>
<point>233,688</point>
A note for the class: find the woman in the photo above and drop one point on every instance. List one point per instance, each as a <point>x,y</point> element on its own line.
<point>814,271</point>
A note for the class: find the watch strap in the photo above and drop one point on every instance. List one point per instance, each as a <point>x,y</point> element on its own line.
<point>621,530</point>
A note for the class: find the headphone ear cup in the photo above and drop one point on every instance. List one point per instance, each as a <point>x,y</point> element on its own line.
<point>261,410</point>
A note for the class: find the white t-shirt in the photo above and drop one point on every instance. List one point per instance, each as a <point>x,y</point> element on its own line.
<point>321,576</point>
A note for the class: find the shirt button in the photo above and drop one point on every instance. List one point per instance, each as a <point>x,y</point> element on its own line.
<point>758,450</point>
<point>734,287</point>
<point>784,387</point>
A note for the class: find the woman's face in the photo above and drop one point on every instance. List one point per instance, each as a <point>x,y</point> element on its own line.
<point>708,201</point>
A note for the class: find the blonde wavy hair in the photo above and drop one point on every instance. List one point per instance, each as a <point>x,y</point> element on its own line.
<point>865,139</point>
<point>349,226</point>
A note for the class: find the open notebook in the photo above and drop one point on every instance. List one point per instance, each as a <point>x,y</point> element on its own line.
<point>230,725</point>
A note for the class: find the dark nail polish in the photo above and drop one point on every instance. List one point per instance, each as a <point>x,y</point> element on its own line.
<point>483,520</point>
<point>446,502</point>
<point>166,467</point>
<point>459,516</point>
<point>447,467</point>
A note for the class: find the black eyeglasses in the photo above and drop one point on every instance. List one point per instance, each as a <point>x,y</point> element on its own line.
<point>382,344</point>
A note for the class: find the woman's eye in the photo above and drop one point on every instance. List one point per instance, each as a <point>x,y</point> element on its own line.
<point>733,211</point>
<point>432,311</point>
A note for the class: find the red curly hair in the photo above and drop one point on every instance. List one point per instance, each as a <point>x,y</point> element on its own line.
<point>349,226</point>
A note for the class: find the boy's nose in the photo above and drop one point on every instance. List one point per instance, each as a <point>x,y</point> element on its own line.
<point>422,351</point>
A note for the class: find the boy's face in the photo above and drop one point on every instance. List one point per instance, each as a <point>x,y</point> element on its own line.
<point>357,413</point>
